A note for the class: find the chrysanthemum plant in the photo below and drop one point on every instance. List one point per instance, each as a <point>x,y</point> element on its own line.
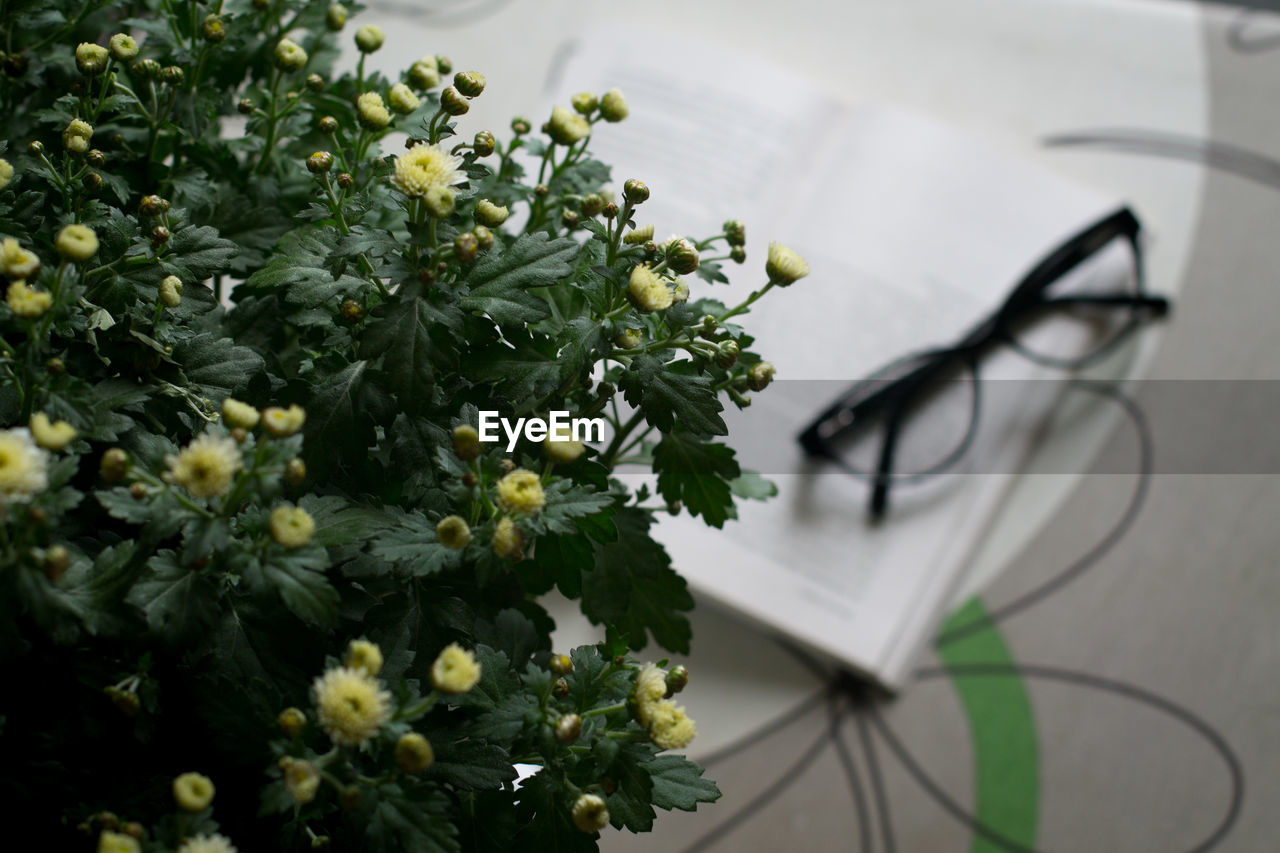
<point>261,582</point>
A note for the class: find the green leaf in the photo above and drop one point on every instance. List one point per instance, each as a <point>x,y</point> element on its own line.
<point>414,334</point>
<point>668,391</point>
<point>696,473</point>
<point>500,280</point>
<point>413,825</point>
<point>178,601</point>
<point>501,704</point>
<point>298,274</point>
<point>341,418</point>
<point>298,577</point>
<point>629,803</point>
<point>633,589</point>
<point>678,783</point>
<point>195,254</point>
<point>468,764</point>
<point>752,486</point>
<point>544,809</point>
<point>217,365</point>
<point>339,522</point>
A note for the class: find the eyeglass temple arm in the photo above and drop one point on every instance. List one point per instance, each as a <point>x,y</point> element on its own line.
<point>884,467</point>
<point>1158,305</point>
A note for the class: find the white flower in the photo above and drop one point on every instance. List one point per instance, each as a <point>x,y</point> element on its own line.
<point>424,167</point>
<point>23,465</point>
<point>784,266</point>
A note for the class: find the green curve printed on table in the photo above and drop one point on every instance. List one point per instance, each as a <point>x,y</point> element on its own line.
<point>1005,749</point>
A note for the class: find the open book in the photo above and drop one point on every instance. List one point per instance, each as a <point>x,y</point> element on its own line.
<point>914,233</point>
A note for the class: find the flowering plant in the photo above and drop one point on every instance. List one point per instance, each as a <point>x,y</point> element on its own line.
<point>261,582</point>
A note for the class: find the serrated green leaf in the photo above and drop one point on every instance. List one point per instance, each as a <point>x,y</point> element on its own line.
<point>698,474</point>
<point>217,365</point>
<point>752,486</point>
<point>678,783</point>
<point>298,577</point>
<point>666,391</point>
<point>178,600</point>
<point>500,280</point>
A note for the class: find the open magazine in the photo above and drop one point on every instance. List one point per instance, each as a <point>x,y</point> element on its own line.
<point>914,233</point>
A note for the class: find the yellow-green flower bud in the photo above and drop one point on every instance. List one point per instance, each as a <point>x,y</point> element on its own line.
<point>76,136</point>
<point>117,842</point>
<point>423,74</point>
<point>414,753</point>
<point>635,191</point>
<point>568,728</point>
<point>760,375</point>
<point>566,127</point>
<point>629,339</point>
<point>172,74</point>
<point>520,126</point>
<point>95,157</point>
<point>152,205</point>
<point>735,232</point>
<point>238,414</point>
<point>315,83</point>
<point>291,526</point>
<point>57,560</point>
<point>160,234</point>
<point>737,254</point>
<point>727,354</point>
<point>444,63</point>
<point>584,103</point>
<point>213,29</point>
<point>469,83</point>
<point>346,180</point>
<point>371,111</point>
<point>114,465</point>
<point>590,814</point>
<point>491,214</point>
<point>560,688</point>
<point>635,236</point>
<point>123,47</point>
<point>148,69</point>
<point>682,256</point>
<point>76,243</point>
<point>171,291</point>
<point>483,236</point>
<point>648,290</point>
<point>560,664</point>
<point>484,143</point>
<point>784,266</point>
<point>455,670</point>
<point>452,532</point>
<point>301,779</point>
<point>440,201</point>
<point>193,792</point>
<point>465,247</point>
<point>6,173</point>
<point>35,147</point>
<point>291,721</point>
<point>244,106</point>
<point>369,38</point>
<point>677,678</point>
<point>289,55</point>
<point>335,18</point>
<point>328,124</point>
<point>591,205</point>
<point>466,443</point>
<point>613,106</point>
<point>508,541</point>
<point>282,423</point>
<point>27,302</point>
<point>362,654</point>
<point>51,435</point>
<point>320,162</point>
<point>295,471</point>
<point>453,102</point>
<point>569,219</point>
<point>91,58</point>
<point>402,99</point>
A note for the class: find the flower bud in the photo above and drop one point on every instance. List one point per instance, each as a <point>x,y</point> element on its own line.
<point>139,491</point>
<point>414,753</point>
<point>520,126</point>
<point>301,779</point>
<point>147,69</point>
<point>362,654</point>
<point>134,830</point>
<point>584,103</point>
<point>591,205</point>
<point>465,247</point>
<point>610,210</point>
<point>126,701</point>
<point>568,728</point>
<point>193,792</point>
<point>444,64</point>
<point>491,214</point>
<point>171,291</point>
<point>590,814</point>
<point>346,180</point>
<point>57,559</point>
<point>76,243</point>
<point>92,58</point>
<point>677,678</point>
<point>483,236</point>
<point>114,465</point>
<point>682,256</point>
<point>349,798</point>
<point>560,664</point>
<point>737,254</point>
<point>566,127</point>
<point>351,311</point>
<point>96,158</point>
<point>453,532</point>
<point>423,74</point>
<point>315,82</point>
<point>369,38</point>
<point>466,443</point>
<point>727,354</point>
<point>560,688</point>
<point>172,75</point>
<point>760,375</point>
<point>635,191</point>
<point>160,234</point>
<point>35,147</point>
<point>648,290</point>
<point>320,162</point>
<point>152,205</point>
<point>76,136</point>
<point>484,143</point>
<point>541,190</point>
<point>282,423</point>
<point>371,112</point>
<point>291,526</point>
<point>453,102</point>
<point>335,18</point>
<point>402,99</point>
<point>123,47</point>
<point>440,201</point>
<point>291,721</point>
<point>295,471</point>
<point>92,181</point>
<point>569,219</point>
<point>783,266</point>
<point>289,56</point>
<point>735,232</point>
<point>613,106</point>
<point>629,339</point>
<point>213,29</point>
<point>469,83</point>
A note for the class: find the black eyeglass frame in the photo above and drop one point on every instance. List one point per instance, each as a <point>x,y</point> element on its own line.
<point>893,398</point>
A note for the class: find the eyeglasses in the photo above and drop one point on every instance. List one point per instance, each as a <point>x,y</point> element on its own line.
<point>917,416</point>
